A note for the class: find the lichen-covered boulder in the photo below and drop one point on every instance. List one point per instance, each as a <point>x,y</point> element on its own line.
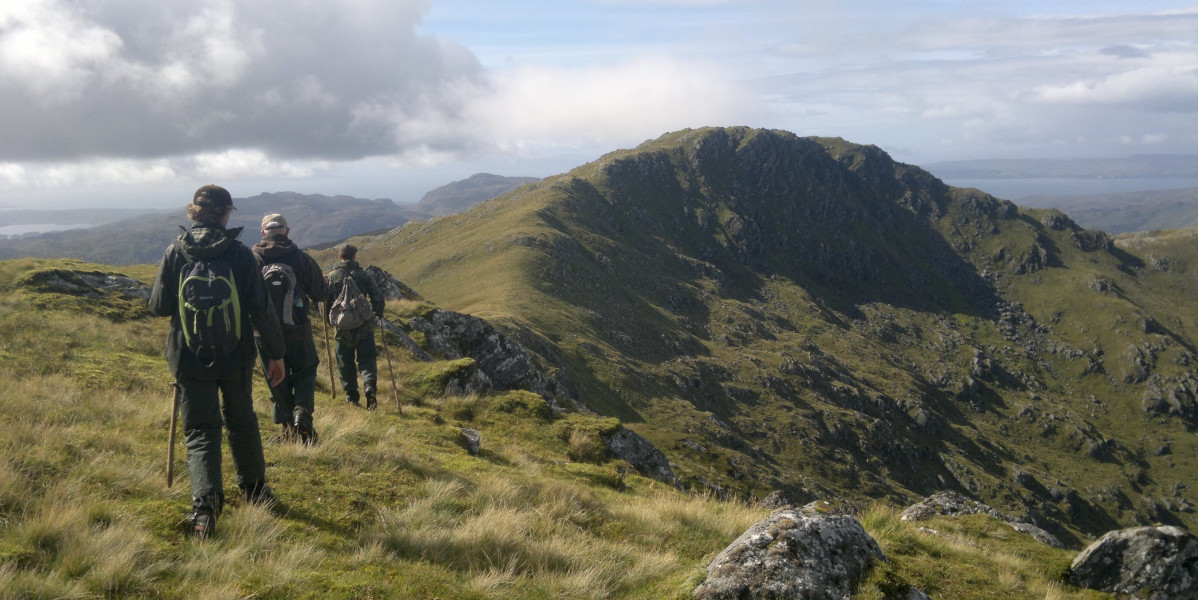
<point>1143,563</point>
<point>794,553</point>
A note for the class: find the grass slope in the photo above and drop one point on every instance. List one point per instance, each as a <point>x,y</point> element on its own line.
<point>387,505</point>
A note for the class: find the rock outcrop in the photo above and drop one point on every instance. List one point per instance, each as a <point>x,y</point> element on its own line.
<point>1141,563</point>
<point>88,284</point>
<point>506,363</point>
<point>953,504</point>
<point>405,340</point>
<point>641,454</point>
<point>793,553</point>
<point>392,288</point>
<point>950,504</point>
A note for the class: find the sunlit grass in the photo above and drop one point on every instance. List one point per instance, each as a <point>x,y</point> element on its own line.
<point>84,511</point>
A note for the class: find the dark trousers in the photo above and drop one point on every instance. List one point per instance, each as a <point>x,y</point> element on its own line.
<point>207,405</point>
<point>357,356</point>
<point>301,362</point>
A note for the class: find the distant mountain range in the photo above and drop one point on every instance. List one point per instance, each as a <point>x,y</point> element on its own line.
<point>124,237</point>
<point>808,315</point>
<point>1147,166</point>
<point>1127,211</point>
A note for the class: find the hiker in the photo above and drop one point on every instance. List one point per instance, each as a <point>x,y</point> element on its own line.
<point>210,286</point>
<point>295,284</point>
<point>354,343</point>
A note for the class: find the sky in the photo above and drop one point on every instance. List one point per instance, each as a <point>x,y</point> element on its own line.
<point>135,103</point>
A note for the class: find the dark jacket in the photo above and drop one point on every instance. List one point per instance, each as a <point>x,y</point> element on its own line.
<point>206,241</point>
<point>278,248</point>
<point>365,283</point>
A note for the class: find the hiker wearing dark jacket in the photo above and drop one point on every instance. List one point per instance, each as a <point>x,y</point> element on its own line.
<point>215,389</point>
<point>295,398</point>
<point>357,343</point>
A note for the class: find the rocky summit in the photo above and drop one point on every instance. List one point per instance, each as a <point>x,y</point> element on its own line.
<point>807,316</point>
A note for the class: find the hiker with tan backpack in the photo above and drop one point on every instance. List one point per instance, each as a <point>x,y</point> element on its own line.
<point>355,302</point>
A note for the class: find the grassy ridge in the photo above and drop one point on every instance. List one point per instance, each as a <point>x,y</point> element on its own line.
<point>385,506</point>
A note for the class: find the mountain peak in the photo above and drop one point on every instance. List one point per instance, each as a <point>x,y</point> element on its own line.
<point>807,314</point>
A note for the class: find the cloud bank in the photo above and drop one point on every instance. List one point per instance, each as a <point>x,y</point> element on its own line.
<point>148,92</point>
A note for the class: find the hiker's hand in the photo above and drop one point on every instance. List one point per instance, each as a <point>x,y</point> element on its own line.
<point>275,372</point>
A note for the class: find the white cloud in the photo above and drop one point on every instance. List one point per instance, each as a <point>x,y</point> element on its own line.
<point>16,177</point>
<point>13,177</point>
<point>50,51</point>
<point>142,78</point>
<point>1172,88</point>
<point>240,163</point>
<point>536,107</point>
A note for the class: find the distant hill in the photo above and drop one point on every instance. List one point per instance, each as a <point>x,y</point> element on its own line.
<point>1127,211</point>
<point>808,315</point>
<point>136,240</point>
<point>316,220</point>
<point>461,195</point>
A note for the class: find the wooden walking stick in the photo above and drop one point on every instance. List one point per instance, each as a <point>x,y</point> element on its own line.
<point>170,447</point>
<point>387,352</point>
<point>328,352</point>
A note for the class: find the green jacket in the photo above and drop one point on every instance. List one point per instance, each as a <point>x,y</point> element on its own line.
<point>205,241</point>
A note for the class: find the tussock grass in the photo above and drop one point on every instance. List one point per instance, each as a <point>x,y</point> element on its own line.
<point>547,538</point>
<point>963,557</point>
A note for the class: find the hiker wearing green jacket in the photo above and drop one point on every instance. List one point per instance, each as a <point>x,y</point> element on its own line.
<point>212,359</point>
<point>355,350</point>
<point>294,291</point>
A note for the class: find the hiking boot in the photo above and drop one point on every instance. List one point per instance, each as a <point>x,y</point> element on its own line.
<point>371,401</point>
<point>352,398</point>
<point>303,426</point>
<point>202,525</point>
<point>258,493</point>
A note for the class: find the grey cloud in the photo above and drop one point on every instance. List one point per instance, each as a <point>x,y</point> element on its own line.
<point>1124,51</point>
<point>321,80</point>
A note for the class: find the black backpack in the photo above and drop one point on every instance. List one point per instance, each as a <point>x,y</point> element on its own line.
<point>209,309</point>
<point>283,288</point>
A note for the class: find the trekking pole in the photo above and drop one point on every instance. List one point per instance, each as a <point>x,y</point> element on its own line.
<point>170,447</point>
<point>328,352</point>
<point>387,352</point>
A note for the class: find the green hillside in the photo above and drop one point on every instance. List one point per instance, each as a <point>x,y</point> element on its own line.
<point>807,315</point>
<point>388,505</point>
